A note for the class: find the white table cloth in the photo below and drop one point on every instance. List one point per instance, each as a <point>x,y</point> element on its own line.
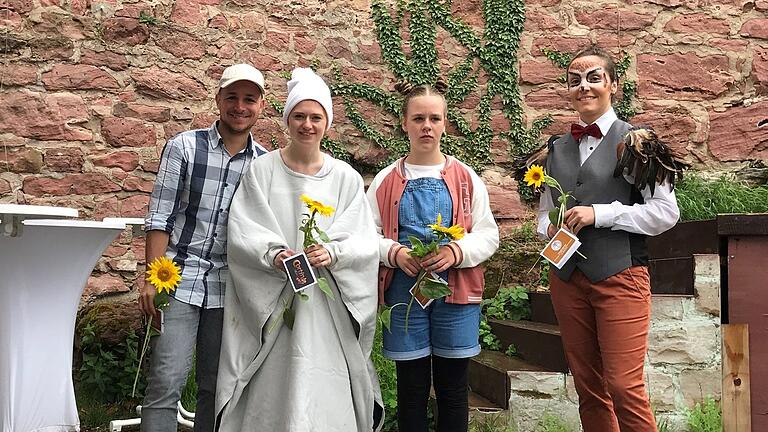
<point>44,267</point>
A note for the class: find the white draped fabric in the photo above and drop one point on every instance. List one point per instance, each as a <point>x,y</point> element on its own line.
<point>43,270</point>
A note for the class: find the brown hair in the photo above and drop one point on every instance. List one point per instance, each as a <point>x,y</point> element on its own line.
<point>596,51</point>
<point>410,91</point>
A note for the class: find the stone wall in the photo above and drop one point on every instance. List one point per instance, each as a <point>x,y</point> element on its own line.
<point>683,365</point>
<point>91,89</point>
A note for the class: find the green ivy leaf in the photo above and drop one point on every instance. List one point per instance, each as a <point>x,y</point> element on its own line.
<point>324,287</point>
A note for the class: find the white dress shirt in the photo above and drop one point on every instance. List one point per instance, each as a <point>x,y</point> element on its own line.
<point>658,214</point>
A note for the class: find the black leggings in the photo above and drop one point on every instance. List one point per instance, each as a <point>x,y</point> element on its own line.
<point>414,379</point>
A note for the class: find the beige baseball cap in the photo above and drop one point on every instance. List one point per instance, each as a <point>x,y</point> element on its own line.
<point>241,72</point>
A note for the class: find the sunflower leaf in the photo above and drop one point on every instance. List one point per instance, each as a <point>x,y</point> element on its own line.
<point>288,317</point>
<point>554,217</point>
<point>323,236</point>
<point>324,287</point>
<point>386,318</point>
<point>434,289</point>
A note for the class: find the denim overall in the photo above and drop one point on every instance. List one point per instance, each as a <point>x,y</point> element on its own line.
<point>443,329</point>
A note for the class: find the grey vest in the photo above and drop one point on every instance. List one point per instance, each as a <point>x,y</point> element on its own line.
<point>608,252</point>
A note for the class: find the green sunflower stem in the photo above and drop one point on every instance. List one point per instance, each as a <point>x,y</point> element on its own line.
<point>421,277</point>
<point>141,357</point>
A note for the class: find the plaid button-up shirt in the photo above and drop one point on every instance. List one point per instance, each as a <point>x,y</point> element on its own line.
<point>190,200</point>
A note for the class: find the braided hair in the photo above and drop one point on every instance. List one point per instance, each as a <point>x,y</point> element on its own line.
<point>410,91</point>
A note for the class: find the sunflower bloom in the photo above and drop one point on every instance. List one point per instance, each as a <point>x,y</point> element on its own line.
<point>454,232</point>
<point>317,206</point>
<point>164,274</point>
<point>535,176</point>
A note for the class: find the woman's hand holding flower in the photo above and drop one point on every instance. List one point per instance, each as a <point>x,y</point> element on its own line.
<point>318,255</point>
<point>406,262</point>
<point>440,261</point>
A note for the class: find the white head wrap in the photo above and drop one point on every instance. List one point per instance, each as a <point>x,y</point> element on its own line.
<point>305,84</point>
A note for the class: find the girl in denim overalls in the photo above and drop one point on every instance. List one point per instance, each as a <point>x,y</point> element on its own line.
<point>406,197</point>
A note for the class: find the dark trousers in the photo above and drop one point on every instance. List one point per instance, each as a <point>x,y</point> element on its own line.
<point>414,380</point>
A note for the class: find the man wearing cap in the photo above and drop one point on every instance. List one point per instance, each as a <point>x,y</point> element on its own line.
<point>187,222</point>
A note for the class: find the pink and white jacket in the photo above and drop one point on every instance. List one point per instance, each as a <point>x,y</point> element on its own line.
<point>471,209</point>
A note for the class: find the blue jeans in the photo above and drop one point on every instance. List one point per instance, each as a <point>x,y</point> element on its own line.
<point>170,363</point>
<point>444,329</point>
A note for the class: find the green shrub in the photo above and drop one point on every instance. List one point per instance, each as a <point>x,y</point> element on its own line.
<point>388,381</point>
<point>488,340</point>
<point>510,303</point>
<point>705,417</point>
<point>700,199</point>
<point>107,372</point>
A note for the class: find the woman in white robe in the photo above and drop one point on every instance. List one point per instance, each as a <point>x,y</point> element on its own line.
<point>317,376</point>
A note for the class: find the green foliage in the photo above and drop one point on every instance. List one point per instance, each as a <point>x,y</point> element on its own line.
<point>490,422</point>
<point>189,392</point>
<point>511,350</point>
<point>551,423</point>
<point>388,381</point>
<point>107,372</point>
<point>700,199</point>
<point>510,303</point>
<point>145,18</point>
<point>491,54</point>
<point>488,340</point>
<point>705,417</point>
<point>624,109</point>
<point>95,413</point>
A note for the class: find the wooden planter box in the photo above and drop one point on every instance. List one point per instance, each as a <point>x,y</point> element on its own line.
<point>671,255</point>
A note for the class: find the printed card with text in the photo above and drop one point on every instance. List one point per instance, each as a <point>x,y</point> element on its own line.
<point>299,272</point>
<point>562,246</point>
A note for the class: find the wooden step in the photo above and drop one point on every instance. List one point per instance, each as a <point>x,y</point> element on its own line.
<point>488,376</point>
<point>541,308</point>
<point>536,343</point>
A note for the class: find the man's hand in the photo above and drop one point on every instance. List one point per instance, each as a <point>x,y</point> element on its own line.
<point>579,217</point>
<point>440,261</point>
<point>280,257</point>
<point>318,256</point>
<point>147,295</point>
<point>407,263</point>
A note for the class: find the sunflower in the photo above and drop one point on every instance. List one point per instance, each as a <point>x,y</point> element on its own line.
<point>317,206</point>
<point>535,176</point>
<point>455,232</point>
<point>164,274</point>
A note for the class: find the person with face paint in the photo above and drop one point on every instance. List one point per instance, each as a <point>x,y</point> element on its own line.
<point>312,372</point>
<point>406,197</point>
<point>602,300</point>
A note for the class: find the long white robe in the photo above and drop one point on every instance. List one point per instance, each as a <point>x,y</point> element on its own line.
<point>318,376</point>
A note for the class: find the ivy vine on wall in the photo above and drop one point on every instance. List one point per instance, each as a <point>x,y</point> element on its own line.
<point>493,53</point>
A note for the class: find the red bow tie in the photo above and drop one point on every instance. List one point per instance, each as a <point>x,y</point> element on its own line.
<point>578,131</point>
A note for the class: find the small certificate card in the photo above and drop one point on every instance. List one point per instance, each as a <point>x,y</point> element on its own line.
<point>299,271</point>
<point>560,248</point>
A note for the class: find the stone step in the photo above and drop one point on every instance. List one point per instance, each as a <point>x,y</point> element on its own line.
<point>488,376</point>
<point>536,343</point>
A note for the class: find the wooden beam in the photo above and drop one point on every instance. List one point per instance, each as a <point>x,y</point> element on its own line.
<point>737,412</point>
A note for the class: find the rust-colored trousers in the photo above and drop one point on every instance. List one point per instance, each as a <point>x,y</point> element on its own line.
<point>604,327</point>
